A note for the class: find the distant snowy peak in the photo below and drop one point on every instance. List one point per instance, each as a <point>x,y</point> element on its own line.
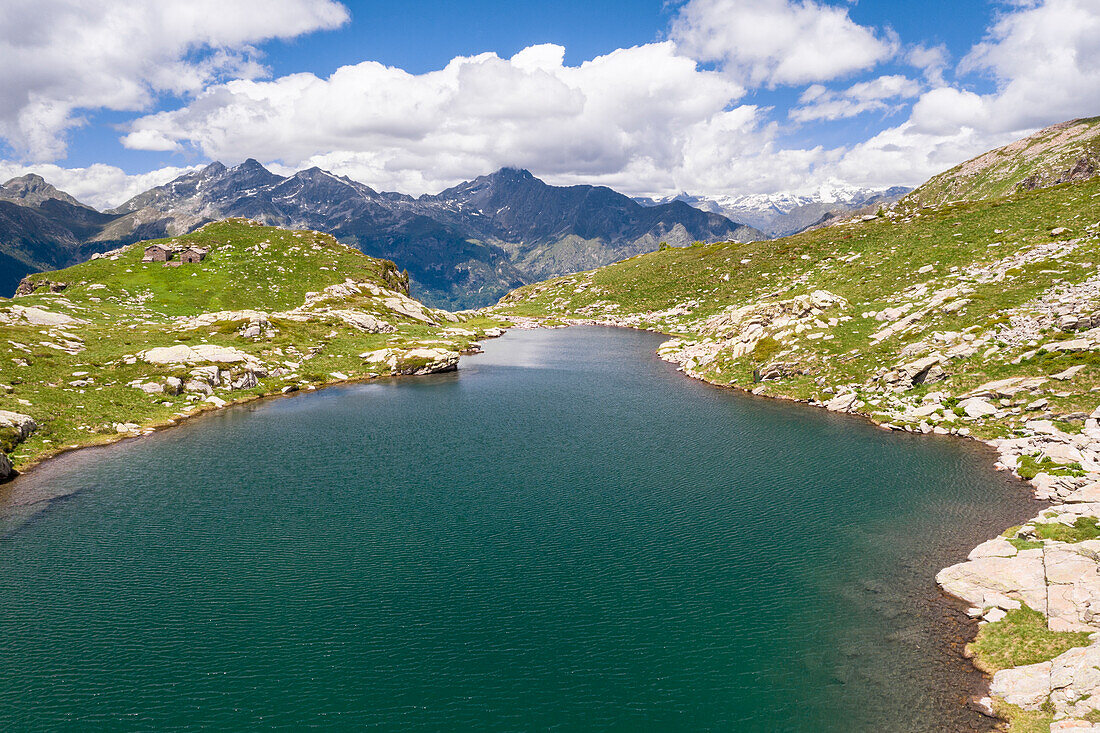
<point>780,214</point>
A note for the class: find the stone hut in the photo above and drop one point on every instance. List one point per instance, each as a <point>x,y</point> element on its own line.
<point>193,255</point>
<point>157,253</point>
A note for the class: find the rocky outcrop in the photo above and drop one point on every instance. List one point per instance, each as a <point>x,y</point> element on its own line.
<point>22,425</point>
<point>417,361</point>
<point>922,371</point>
<point>198,354</point>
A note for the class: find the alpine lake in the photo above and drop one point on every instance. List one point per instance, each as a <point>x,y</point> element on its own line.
<point>566,534</point>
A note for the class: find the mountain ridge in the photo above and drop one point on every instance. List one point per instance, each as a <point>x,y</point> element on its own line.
<point>785,213</point>
<point>462,247</point>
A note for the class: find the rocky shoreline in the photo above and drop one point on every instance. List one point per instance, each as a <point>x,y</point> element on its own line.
<point>1053,571</point>
<point>436,362</point>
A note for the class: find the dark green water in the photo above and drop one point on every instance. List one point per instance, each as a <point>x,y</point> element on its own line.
<point>565,535</point>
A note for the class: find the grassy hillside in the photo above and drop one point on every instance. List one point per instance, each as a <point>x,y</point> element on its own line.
<point>267,311</point>
<point>914,302</point>
<point>1068,151</point>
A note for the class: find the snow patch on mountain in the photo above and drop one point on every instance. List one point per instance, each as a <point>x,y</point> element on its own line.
<point>785,213</point>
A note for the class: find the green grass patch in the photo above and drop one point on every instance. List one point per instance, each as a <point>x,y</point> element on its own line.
<point>1029,467</point>
<point>1084,528</point>
<point>1023,721</point>
<point>765,349</point>
<point>1020,638</point>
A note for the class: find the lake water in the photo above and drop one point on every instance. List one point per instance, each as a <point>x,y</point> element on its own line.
<point>567,534</point>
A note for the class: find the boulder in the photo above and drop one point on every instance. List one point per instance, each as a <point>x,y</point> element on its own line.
<point>1004,388</point>
<point>7,470</point>
<point>1072,345</point>
<point>921,371</point>
<point>776,370</point>
<point>42,317</point>
<point>198,385</point>
<point>1068,373</point>
<point>842,403</point>
<point>977,407</point>
<point>408,307</point>
<point>23,424</point>
<point>245,380</point>
<point>428,361</point>
<point>386,357</point>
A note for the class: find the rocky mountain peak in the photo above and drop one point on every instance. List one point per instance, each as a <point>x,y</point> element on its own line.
<point>251,173</point>
<point>32,189</point>
<point>213,170</point>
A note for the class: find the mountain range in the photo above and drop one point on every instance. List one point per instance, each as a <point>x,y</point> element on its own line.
<point>463,247</point>
<point>783,214</point>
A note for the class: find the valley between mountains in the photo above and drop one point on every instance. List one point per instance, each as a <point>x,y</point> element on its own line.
<point>970,307</point>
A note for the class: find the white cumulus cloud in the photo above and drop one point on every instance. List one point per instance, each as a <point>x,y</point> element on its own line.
<point>416,132</point>
<point>648,120</point>
<point>1043,55</point>
<point>881,94</point>
<point>64,56</point>
<point>779,41</point>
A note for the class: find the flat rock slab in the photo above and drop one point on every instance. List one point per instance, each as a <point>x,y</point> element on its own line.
<point>200,354</point>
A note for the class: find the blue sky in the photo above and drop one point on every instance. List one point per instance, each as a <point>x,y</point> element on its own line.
<point>719,97</point>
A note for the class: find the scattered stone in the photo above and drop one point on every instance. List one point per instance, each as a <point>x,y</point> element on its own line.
<point>977,407</point>
<point>1068,374</point>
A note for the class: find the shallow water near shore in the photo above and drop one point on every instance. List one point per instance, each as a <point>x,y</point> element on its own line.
<point>565,534</point>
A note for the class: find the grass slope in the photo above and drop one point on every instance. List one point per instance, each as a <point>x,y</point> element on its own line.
<point>1056,154</point>
<point>75,378</point>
